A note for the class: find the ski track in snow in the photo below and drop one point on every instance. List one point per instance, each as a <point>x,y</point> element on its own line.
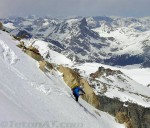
<point>8,54</point>
<point>9,58</point>
<point>14,70</point>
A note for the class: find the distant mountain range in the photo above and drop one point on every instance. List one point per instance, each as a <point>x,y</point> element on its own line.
<point>108,40</point>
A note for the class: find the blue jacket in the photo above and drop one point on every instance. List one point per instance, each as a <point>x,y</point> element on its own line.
<point>76,90</point>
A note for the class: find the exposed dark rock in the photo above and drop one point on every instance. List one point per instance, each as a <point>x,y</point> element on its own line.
<point>146,55</point>
<point>58,44</point>
<point>139,116</point>
<point>102,70</point>
<point>1,26</point>
<point>125,59</point>
<point>24,34</point>
<point>85,30</point>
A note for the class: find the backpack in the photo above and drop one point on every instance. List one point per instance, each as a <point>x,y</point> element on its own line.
<point>73,86</point>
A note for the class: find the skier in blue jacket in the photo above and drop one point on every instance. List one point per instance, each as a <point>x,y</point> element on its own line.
<point>76,92</point>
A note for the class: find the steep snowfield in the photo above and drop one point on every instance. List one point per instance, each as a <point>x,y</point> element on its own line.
<point>119,85</point>
<point>29,95</point>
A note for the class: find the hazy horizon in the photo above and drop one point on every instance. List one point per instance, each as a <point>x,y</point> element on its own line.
<point>72,8</point>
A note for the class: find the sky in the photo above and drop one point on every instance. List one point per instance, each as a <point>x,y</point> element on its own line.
<point>68,8</point>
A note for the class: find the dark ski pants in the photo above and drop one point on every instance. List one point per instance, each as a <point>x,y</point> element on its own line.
<point>76,96</point>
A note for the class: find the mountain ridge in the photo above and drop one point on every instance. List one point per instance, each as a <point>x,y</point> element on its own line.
<point>92,39</point>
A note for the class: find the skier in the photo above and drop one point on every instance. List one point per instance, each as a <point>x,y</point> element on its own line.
<point>76,91</point>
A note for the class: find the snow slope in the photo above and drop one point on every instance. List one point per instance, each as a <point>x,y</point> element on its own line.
<point>30,97</point>
<point>141,75</point>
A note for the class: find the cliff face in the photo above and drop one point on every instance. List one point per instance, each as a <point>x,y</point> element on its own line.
<point>133,115</point>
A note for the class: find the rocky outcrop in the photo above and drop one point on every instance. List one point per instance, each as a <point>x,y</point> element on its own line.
<point>1,26</point>
<point>21,45</point>
<point>70,77</point>
<point>102,70</point>
<point>45,66</point>
<point>133,115</point>
<point>24,34</point>
<point>34,53</point>
<point>31,51</point>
